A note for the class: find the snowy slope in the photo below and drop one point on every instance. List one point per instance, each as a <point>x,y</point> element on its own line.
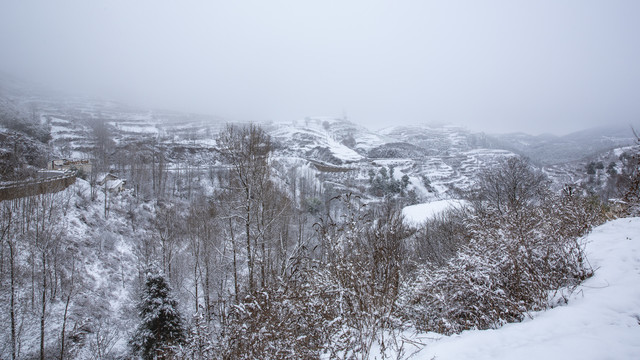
<point>601,320</point>
<point>416,214</point>
<point>305,140</point>
<point>337,138</point>
<point>437,139</point>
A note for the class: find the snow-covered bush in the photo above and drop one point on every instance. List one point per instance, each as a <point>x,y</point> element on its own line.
<point>523,243</point>
<point>439,238</point>
<point>199,344</point>
<point>337,302</point>
<point>364,261</point>
<point>284,322</point>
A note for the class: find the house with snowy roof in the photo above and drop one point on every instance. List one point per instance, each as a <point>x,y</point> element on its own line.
<point>113,183</point>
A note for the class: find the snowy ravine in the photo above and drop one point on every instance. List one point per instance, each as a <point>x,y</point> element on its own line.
<point>600,321</point>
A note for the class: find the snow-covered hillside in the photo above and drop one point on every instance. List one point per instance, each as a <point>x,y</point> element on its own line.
<point>600,321</point>
<point>438,159</point>
<point>323,139</point>
<point>435,138</point>
<point>275,226</point>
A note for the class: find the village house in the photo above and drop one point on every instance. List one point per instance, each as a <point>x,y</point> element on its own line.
<point>83,165</point>
<point>112,183</point>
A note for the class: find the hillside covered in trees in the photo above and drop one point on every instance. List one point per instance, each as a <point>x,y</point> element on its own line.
<point>236,251</point>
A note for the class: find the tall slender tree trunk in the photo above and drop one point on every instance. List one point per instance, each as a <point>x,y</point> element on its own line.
<point>66,310</point>
<point>106,208</point>
<point>44,304</point>
<point>248,233</point>
<point>205,276</point>
<point>12,305</point>
<point>64,325</point>
<point>235,263</point>
<point>207,291</point>
<point>195,281</point>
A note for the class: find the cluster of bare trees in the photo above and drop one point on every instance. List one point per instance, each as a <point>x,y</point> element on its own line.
<point>37,271</point>
<point>336,293</point>
<point>264,281</point>
<point>255,202</point>
<point>220,249</point>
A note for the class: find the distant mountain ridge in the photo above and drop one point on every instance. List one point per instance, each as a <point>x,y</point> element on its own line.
<point>550,150</point>
<point>438,159</point>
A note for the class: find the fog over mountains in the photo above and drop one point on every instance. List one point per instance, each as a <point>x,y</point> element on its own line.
<point>489,67</point>
<point>447,155</point>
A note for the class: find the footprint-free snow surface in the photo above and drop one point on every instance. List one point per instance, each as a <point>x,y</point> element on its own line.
<point>416,214</point>
<point>600,321</point>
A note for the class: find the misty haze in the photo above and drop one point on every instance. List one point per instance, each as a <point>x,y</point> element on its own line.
<point>319,179</point>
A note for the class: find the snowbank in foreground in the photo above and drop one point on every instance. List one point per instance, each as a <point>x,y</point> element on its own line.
<point>416,214</point>
<point>601,321</point>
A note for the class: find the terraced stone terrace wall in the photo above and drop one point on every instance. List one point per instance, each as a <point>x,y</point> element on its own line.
<point>47,185</point>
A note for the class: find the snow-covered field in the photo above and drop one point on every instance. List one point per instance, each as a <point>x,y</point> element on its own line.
<point>600,321</point>
<point>416,214</point>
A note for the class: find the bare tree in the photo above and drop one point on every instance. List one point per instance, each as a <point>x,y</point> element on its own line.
<point>208,252</point>
<point>246,149</point>
<point>5,236</point>
<point>168,223</point>
<point>102,148</point>
<point>511,185</point>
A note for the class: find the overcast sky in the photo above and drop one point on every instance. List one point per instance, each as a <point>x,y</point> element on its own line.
<point>496,66</point>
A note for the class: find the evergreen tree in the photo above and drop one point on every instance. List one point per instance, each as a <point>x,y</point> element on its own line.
<point>161,328</point>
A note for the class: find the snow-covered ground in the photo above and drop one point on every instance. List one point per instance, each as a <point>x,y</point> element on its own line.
<point>416,214</point>
<point>600,321</point>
